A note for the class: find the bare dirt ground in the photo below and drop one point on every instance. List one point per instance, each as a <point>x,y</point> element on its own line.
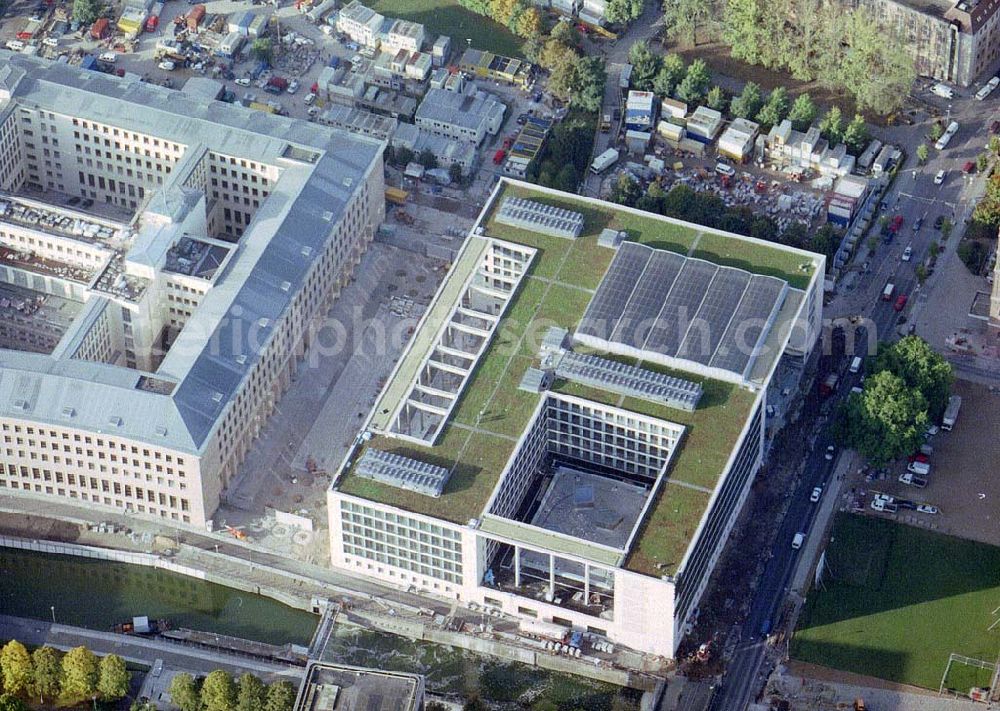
<point>821,673</point>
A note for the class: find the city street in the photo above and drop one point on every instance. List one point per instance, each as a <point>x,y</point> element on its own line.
<point>915,196</point>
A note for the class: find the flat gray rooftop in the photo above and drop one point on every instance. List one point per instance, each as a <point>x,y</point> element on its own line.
<point>330,687</point>
<point>595,508</point>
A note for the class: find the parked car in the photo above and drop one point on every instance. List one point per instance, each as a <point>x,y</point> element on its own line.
<point>918,224</point>
<point>830,449</point>
<point>969,168</point>
<point>167,66</point>
<point>939,222</point>
<point>939,178</point>
<point>243,81</point>
<point>725,169</point>
<point>928,509</point>
<point>900,303</point>
<point>816,494</point>
<point>907,253</point>
<point>293,86</point>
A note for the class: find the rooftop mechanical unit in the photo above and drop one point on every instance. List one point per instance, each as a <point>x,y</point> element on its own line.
<point>539,217</point>
<point>402,472</point>
<point>629,380</point>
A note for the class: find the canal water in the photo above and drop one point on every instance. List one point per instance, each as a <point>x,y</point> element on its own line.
<point>97,594</point>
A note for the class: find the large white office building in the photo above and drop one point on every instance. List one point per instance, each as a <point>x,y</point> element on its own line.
<point>174,253</point>
<point>574,428</point>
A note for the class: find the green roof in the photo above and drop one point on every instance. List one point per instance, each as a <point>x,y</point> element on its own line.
<point>492,412</point>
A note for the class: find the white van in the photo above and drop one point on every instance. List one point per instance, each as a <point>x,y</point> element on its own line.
<point>943,90</point>
<point>797,540</point>
<point>15,45</point>
<point>109,57</point>
<point>921,468</point>
<point>855,364</point>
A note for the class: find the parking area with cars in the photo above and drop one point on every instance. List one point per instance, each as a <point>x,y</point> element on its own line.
<point>949,487</point>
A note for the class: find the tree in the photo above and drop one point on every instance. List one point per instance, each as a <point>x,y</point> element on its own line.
<point>113,679</point>
<point>218,692</point>
<point>876,67</point>
<point>716,98</point>
<point>912,359</point>
<point>802,113</point>
<point>80,673</point>
<point>921,273</point>
<point>652,201</point>
<point>474,703</point>
<point>428,159</point>
<point>17,671</point>
<point>455,173</point>
<point>745,29</point>
<point>922,153</point>
<point>560,62</point>
<point>936,131</point>
<point>856,135</point>
<point>589,80</point>
<point>260,49</point>
<point>831,127</point>
<point>402,155</point>
<point>684,18</point>
<point>886,421</point>
<point>501,11</point>
<point>988,209</point>
<point>528,22</point>
<point>669,76</point>
<point>625,191</point>
<point>567,179</point>
<point>87,11</point>
<point>645,65</point>
<point>825,240</point>
<point>982,162</point>
<point>623,11</point>
<point>748,103</point>
<point>566,33</point>
<point>696,81</point>
<point>142,706</point>
<point>250,694</point>
<point>46,672</point>
<point>9,702</point>
<point>184,693</point>
<point>280,697</point>
<point>775,109</point>
<point>994,145</point>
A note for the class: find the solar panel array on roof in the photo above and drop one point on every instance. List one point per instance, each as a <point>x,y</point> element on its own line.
<point>402,472</point>
<point>539,217</point>
<point>664,303</point>
<point>629,380</point>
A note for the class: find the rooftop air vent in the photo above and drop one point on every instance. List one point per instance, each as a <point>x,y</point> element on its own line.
<point>328,216</point>
<point>286,285</point>
<point>307,251</point>
<point>216,397</point>
<point>68,412</point>
<point>161,430</point>
<point>115,421</point>
<point>241,359</point>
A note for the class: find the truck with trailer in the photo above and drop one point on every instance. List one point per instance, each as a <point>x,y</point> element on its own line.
<point>951,412</point>
<point>604,161</point>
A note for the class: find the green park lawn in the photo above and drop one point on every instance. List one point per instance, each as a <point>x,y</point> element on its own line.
<point>447,17</point>
<point>897,600</point>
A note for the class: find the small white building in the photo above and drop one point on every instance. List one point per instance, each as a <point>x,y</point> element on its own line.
<point>673,108</point>
<point>468,115</point>
<point>361,24</point>
<point>440,50</point>
<point>704,124</point>
<point>402,34</point>
<point>738,139</point>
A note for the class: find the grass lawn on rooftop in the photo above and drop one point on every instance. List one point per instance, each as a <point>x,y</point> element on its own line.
<point>897,600</point>
<point>447,17</point>
<point>754,258</point>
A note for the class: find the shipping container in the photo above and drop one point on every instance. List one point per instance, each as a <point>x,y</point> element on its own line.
<point>195,17</point>
<point>100,29</point>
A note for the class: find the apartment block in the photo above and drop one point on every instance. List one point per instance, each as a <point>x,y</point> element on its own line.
<point>163,257</point>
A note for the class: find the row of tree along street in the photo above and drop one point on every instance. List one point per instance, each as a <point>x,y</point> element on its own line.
<point>49,676</point>
<point>220,692</point>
